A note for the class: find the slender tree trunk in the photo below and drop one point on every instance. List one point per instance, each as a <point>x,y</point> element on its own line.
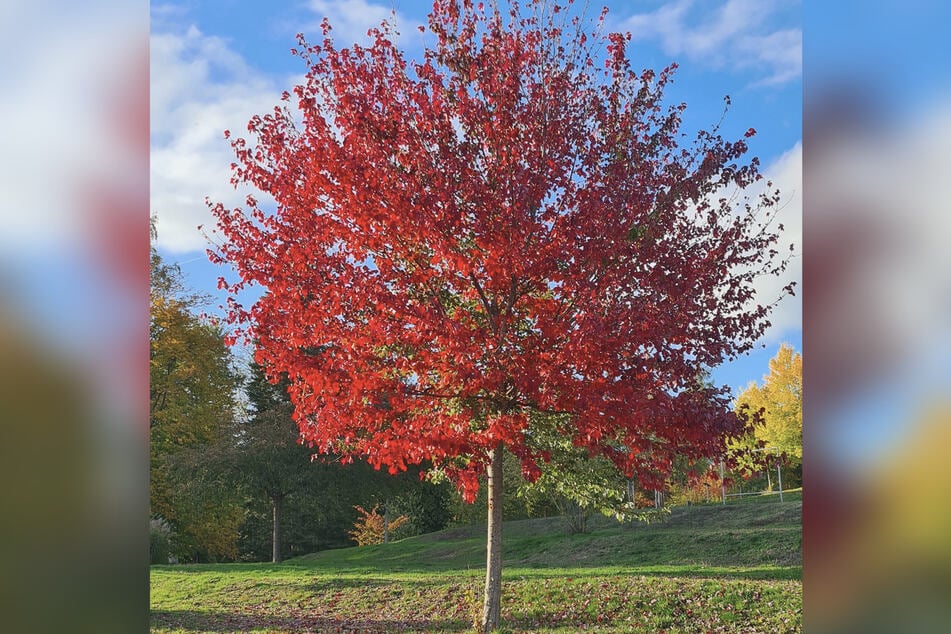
<point>493,559</point>
<point>386,522</point>
<point>276,531</point>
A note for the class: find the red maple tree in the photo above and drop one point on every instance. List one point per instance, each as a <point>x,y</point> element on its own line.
<point>509,226</point>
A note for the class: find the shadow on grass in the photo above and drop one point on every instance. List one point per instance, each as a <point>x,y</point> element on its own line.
<point>229,567</point>
<point>791,573</point>
<point>191,620</point>
<point>335,584</point>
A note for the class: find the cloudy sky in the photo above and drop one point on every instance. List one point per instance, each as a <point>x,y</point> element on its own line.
<point>216,63</point>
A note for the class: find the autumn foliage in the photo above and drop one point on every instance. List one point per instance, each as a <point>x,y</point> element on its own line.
<point>371,527</point>
<point>779,402</point>
<point>191,400</point>
<point>511,224</point>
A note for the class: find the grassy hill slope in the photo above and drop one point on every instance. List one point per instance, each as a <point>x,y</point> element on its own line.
<point>706,568</point>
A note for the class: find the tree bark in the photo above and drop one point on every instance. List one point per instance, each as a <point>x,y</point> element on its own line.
<point>276,530</point>
<point>493,559</point>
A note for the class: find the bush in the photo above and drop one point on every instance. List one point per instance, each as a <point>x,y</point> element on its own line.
<point>699,489</point>
<point>371,527</point>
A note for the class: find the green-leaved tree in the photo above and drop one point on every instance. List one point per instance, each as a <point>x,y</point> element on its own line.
<point>192,387</point>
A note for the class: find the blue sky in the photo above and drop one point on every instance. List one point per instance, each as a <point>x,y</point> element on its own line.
<point>215,63</point>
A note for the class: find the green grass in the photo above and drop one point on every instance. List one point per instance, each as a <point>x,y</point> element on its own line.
<point>733,568</point>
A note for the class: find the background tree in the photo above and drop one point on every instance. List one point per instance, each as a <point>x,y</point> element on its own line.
<point>575,482</point>
<point>265,452</point>
<point>509,225</point>
<point>192,388</point>
<point>266,458</point>
<point>779,401</point>
<point>425,503</point>
<point>310,502</point>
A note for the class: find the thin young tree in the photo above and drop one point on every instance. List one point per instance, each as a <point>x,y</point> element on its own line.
<point>510,225</point>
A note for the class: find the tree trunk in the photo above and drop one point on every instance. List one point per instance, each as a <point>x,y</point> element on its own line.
<point>276,531</point>
<point>493,559</point>
<point>386,522</point>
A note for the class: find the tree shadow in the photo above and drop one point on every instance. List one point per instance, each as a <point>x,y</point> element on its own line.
<point>335,584</point>
<point>199,621</point>
<point>790,573</point>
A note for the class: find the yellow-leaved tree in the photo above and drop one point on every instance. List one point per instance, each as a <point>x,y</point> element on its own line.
<point>780,399</point>
<point>192,387</point>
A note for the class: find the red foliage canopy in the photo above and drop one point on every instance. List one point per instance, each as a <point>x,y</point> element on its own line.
<point>508,227</point>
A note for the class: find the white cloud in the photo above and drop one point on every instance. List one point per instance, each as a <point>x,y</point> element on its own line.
<point>200,87</point>
<point>351,19</point>
<point>735,35</point>
<point>786,174</point>
<point>783,174</point>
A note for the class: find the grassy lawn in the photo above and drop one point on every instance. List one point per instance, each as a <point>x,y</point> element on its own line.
<point>733,568</point>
